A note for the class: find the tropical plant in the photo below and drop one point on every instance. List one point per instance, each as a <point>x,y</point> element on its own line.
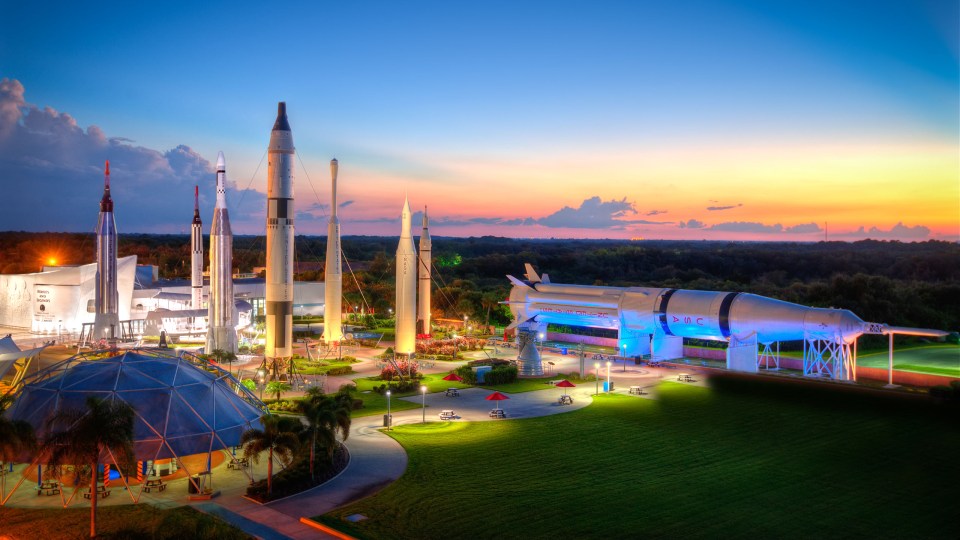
<point>276,437</point>
<point>81,437</point>
<point>16,437</point>
<point>222,356</point>
<point>277,387</point>
<point>249,384</point>
<point>327,416</point>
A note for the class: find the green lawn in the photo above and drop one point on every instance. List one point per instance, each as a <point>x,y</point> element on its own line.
<point>937,359</point>
<point>374,403</point>
<point>748,460</point>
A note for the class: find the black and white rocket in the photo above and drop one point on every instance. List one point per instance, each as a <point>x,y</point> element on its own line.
<point>279,286</point>
<point>406,326</point>
<point>221,307</point>
<point>196,254</point>
<point>333,277</point>
<point>423,298</point>
<point>106,321</point>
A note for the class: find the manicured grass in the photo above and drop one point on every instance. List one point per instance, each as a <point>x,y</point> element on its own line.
<point>938,360</point>
<point>762,460</point>
<point>374,403</point>
<point>130,521</point>
<point>532,384</point>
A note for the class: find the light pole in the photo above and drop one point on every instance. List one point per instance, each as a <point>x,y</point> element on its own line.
<point>454,346</point>
<point>540,335</point>
<point>608,375</point>
<point>423,391</point>
<point>260,373</point>
<point>596,367</point>
<point>389,418</point>
<point>465,324</point>
<point>624,348</point>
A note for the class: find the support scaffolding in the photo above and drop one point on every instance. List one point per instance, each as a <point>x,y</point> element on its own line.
<point>829,356</point>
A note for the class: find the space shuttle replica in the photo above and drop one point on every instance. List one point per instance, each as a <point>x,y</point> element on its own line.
<point>279,286</point>
<point>406,325</point>
<point>654,321</point>
<point>106,321</point>
<point>196,252</point>
<point>221,307</point>
<point>423,269</point>
<point>333,277</point>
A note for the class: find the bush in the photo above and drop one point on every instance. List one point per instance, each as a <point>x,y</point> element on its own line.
<point>296,477</point>
<point>284,405</point>
<point>406,368</point>
<point>338,370</point>
<point>500,375</point>
<point>469,376</point>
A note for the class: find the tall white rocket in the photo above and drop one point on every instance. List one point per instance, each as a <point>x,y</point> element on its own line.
<point>279,286</point>
<point>221,306</point>
<point>106,320</point>
<point>423,299</point>
<point>196,253</point>
<point>333,277</point>
<point>406,329</point>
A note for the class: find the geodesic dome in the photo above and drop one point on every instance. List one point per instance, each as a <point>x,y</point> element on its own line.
<point>183,404</point>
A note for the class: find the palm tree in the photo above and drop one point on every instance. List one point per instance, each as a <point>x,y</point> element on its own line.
<point>277,387</point>
<point>275,437</point>
<point>16,437</point>
<point>327,416</point>
<point>79,437</point>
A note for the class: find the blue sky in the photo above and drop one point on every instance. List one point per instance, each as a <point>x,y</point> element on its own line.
<point>526,108</point>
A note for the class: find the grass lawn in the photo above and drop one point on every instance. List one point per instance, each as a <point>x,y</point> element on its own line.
<point>749,461</point>
<point>937,359</point>
<point>374,403</point>
<point>130,521</point>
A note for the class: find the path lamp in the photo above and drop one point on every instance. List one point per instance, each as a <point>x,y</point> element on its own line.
<point>624,348</point>
<point>541,336</point>
<point>608,375</point>
<point>389,418</point>
<point>596,378</point>
<point>423,391</point>
<point>465,324</point>
<point>261,374</point>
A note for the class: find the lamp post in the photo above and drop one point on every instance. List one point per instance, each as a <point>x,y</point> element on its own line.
<point>541,336</point>
<point>454,346</point>
<point>596,368</point>
<point>624,348</point>
<point>465,324</point>
<point>260,373</point>
<point>608,375</point>
<point>423,391</point>
<point>389,418</point>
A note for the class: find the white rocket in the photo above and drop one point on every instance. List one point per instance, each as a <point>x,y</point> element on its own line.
<point>279,286</point>
<point>106,321</point>
<point>196,254</point>
<point>221,307</point>
<point>423,300</point>
<point>406,329</point>
<point>333,277</point>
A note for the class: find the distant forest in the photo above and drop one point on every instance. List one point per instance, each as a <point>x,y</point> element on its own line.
<point>904,284</point>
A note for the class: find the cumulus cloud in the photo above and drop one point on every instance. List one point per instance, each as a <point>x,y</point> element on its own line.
<point>655,212</point>
<point>803,228</point>
<point>593,213</point>
<point>692,224</point>
<point>746,226</point>
<point>897,232</point>
<point>716,208</point>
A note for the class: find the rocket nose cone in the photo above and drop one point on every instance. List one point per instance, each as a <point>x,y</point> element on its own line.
<point>221,163</point>
<point>281,124</point>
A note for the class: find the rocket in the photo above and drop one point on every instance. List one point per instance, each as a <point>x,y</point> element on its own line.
<point>423,300</point>
<point>333,277</point>
<point>106,321</point>
<point>221,307</point>
<point>279,286</point>
<point>406,329</point>
<point>196,254</point>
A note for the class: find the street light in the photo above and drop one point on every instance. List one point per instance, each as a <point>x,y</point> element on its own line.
<point>423,390</point>
<point>608,375</point>
<point>624,347</point>
<point>596,366</point>
<point>540,335</point>
<point>465,324</point>
<point>261,374</point>
<point>389,418</point>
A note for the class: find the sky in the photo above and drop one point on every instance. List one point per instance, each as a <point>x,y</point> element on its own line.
<point>741,120</point>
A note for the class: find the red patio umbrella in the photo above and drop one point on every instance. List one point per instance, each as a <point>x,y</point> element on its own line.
<point>453,377</point>
<point>498,397</point>
<point>565,384</point>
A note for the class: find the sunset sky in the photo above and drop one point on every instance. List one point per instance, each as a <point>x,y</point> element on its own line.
<point>719,120</point>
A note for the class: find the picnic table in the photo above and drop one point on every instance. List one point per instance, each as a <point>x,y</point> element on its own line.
<point>154,483</point>
<point>497,413</point>
<point>447,414</point>
<point>454,392</point>
<point>238,463</point>
<point>566,399</point>
<point>636,390</point>
<point>683,377</point>
<point>102,492</point>
<point>49,487</point>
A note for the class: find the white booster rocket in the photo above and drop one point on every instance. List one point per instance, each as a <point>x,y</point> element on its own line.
<point>279,286</point>
<point>406,329</point>
<point>196,254</point>
<point>221,307</point>
<point>423,300</point>
<point>333,277</point>
<point>106,321</point>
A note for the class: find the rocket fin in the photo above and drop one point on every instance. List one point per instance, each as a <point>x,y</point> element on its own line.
<point>546,278</point>
<point>531,274</point>
<point>517,282</point>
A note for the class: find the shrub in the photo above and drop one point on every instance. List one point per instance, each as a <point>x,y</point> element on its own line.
<point>338,370</point>
<point>406,368</point>
<point>469,376</point>
<point>500,375</point>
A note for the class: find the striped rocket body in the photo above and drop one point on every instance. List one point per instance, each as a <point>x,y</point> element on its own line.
<point>196,254</point>
<point>280,210</point>
<point>221,306</point>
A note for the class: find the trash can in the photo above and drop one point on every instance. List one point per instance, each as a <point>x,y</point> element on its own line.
<point>563,351</point>
<point>388,420</point>
<point>608,387</point>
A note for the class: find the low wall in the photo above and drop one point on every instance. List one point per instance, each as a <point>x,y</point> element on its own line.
<point>586,340</point>
<point>701,352</point>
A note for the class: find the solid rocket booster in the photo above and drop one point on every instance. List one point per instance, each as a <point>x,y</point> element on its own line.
<point>196,254</point>
<point>279,286</point>
<point>221,306</point>
<point>406,328</point>
<point>333,277</point>
<point>106,322</point>
<point>423,300</point>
